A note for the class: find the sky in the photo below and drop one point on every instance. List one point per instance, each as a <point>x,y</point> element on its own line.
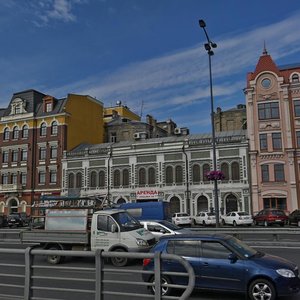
<point>149,54</point>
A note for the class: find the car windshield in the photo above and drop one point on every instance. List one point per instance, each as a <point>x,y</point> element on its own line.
<point>242,248</point>
<point>126,221</point>
<point>170,225</point>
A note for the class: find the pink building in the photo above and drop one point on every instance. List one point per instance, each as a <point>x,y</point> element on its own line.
<point>273,119</point>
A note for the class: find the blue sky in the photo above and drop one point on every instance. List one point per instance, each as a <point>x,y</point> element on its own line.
<point>147,53</point>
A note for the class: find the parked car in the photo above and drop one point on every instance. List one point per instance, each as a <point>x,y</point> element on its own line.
<point>3,220</point>
<point>270,216</point>
<point>294,217</point>
<point>205,218</point>
<point>161,227</point>
<point>18,219</point>
<point>237,218</point>
<point>222,262</point>
<point>181,219</point>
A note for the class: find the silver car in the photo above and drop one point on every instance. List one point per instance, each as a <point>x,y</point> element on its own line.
<point>161,227</point>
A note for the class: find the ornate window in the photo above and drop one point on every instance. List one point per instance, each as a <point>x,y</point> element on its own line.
<point>25,132</point>
<point>78,180</point>
<point>276,141</point>
<point>15,133</point>
<point>93,179</point>
<point>101,182</point>
<point>54,128</point>
<point>265,173</point>
<point>142,176</point>
<point>169,175</point>
<point>125,177</point>
<point>14,178</point>
<point>43,129</point>
<point>5,157</point>
<point>6,134</point>
<point>71,181</point>
<point>178,174</point>
<point>196,173</point>
<point>53,152</point>
<point>151,176</point>
<point>42,177</point>
<point>15,155</point>
<point>23,178</point>
<point>4,179</point>
<point>295,78</point>
<point>205,170</point>
<point>235,171</point>
<point>24,155</point>
<point>263,141</point>
<point>42,155</point>
<point>53,176</point>
<point>225,171</point>
<point>18,106</point>
<point>268,111</point>
<point>279,172</point>
<point>117,179</point>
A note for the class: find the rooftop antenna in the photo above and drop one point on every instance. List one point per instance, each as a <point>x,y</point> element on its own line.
<point>265,52</point>
<point>142,107</point>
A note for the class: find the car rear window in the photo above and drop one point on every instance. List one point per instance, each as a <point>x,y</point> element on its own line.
<point>182,215</point>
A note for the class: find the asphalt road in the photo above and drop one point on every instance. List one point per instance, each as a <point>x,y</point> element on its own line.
<point>68,269</point>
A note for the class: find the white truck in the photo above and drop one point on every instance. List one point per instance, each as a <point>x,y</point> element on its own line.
<point>74,229</point>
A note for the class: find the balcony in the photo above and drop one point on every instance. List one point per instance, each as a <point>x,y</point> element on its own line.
<point>10,188</point>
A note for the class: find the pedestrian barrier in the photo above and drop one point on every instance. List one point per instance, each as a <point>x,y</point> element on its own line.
<point>35,280</point>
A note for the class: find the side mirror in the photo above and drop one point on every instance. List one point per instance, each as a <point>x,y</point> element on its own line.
<point>114,228</point>
<point>232,257</point>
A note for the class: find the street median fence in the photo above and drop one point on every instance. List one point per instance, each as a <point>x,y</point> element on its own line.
<point>30,277</point>
<point>258,236</point>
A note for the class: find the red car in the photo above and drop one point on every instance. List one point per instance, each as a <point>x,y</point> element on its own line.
<point>271,216</point>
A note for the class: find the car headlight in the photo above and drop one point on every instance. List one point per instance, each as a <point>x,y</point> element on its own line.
<point>286,273</point>
<point>141,242</point>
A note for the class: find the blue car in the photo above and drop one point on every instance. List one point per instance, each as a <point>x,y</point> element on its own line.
<point>222,262</point>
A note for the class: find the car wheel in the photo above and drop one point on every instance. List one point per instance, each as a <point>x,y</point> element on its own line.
<point>234,223</point>
<point>261,289</point>
<point>165,291</point>
<point>55,259</point>
<point>119,261</point>
<point>266,224</point>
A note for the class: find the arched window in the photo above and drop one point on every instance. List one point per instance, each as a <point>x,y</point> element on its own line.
<point>178,174</point>
<point>117,181</point>
<point>295,78</point>
<point>151,176</point>
<point>225,171</point>
<point>78,180</point>
<point>43,129</point>
<point>196,173</point>
<point>6,134</point>
<point>93,179</point>
<point>25,132</point>
<point>142,176</point>
<point>101,179</point>
<point>202,203</point>
<point>15,132</point>
<point>71,181</point>
<point>125,177</point>
<point>205,170</point>
<point>54,128</point>
<point>235,171</point>
<point>169,175</point>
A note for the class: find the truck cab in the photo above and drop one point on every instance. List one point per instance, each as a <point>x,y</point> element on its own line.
<point>116,230</point>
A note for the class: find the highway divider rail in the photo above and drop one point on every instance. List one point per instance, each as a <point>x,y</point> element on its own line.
<point>35,280</point>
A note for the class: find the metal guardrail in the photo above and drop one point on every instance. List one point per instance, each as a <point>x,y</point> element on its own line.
<point>258,236</point>
<point>32,290</point>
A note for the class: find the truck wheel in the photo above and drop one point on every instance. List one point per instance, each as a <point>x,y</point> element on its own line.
<point>119,261</point>
<point>55,259</point>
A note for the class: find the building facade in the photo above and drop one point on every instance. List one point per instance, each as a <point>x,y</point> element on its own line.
<point>170,169</point>
<point>35,130</point>
<point>273,120</point>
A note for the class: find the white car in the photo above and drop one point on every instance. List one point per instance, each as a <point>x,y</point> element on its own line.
<point>161,227</point>
<point>181,219</point>
<point>237,218</point>
<point>205,218</point>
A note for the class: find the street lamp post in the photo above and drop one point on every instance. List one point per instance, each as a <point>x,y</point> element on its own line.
<point>208,47</point>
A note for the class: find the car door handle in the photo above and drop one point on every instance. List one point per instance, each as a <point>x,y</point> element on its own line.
<point>205,264</point>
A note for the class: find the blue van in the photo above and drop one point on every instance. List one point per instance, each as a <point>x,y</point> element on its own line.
<point>149,210</point>
<point>222,262</point>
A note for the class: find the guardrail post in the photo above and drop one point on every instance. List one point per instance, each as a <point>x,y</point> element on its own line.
<point>28,269</point>
<point>99,274</point>
<point>157,275</point>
